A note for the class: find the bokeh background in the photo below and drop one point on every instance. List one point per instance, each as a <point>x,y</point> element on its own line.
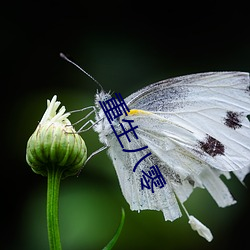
<point>125,45</point>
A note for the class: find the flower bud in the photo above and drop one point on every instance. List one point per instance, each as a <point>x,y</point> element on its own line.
<point>55,144</point>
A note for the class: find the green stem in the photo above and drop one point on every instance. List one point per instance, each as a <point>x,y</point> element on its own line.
<point>54,177</point>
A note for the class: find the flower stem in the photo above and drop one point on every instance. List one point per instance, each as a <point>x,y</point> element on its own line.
<point>54,177</point>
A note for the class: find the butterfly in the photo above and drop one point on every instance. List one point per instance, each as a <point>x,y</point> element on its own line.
<point>196,129</point>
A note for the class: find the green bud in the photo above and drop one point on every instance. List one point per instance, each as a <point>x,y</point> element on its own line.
<point>55,144</point>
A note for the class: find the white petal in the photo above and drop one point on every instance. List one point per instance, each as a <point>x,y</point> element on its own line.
<point>200,228</point>
<point>50,109</point>
<point>51,114</point>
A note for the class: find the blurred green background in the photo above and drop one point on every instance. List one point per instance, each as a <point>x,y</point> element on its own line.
<point>125,47</point>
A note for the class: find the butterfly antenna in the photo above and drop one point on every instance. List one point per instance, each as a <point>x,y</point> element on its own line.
<point>86,73</point>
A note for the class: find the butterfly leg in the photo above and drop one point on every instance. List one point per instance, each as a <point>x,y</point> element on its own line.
<point>82,128</point>
<point>83,109</point>
<point>86,116</point>
<point>96,152</point>
<point>92,154</point>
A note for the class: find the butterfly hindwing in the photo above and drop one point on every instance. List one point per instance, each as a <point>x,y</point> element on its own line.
<point>130,181</point>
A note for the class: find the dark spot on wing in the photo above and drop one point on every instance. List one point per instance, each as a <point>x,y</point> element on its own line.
<point>191,181</point>
<point>212,146</point>
<point>248,88</point>
<point>232,119</point>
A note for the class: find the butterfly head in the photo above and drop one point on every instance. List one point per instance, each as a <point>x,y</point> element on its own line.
<point>102,126</point>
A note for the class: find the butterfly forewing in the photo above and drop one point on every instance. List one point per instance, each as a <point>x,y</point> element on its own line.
<point>211,108</point>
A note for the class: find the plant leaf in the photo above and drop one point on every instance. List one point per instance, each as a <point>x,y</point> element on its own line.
<point>117,234</point>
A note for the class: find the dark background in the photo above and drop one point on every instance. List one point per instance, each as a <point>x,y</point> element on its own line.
<point>125,45</point>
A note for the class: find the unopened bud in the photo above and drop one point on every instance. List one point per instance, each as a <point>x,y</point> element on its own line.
<point>55,143</point>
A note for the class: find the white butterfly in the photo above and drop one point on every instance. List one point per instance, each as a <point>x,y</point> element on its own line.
<point>196,128</point>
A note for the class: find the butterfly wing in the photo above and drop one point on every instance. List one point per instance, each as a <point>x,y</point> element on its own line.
<point>196,129</point>
<point>130,181</point>
<point>212,106</point>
